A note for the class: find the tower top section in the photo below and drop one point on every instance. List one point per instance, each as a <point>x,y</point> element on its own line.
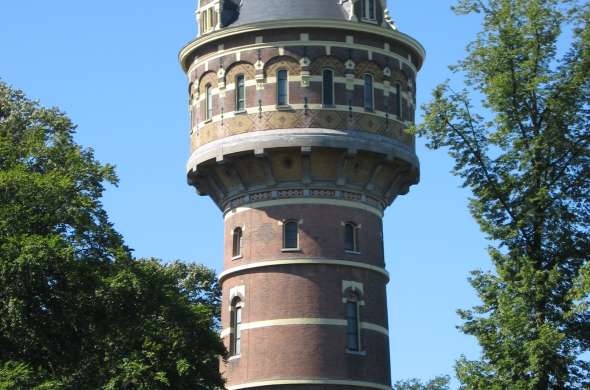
<point>213,15</point>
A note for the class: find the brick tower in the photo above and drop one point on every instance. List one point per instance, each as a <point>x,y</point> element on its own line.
<point>298,111</point>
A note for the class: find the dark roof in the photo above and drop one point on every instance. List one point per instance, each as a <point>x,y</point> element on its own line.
<point>252,11</point>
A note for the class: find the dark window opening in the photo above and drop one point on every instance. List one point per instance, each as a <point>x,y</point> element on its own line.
<point>282,87</point>
<point>237,242</point>
<point>291,235</point>
<point>328,87</point>
<point>368,93</point>
<point>352,326</point>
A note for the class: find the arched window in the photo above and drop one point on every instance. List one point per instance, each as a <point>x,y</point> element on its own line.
<point>282,87</point>
<point>397,101</point>
<point>208,102</point>
<point>291,235</point>
<point>368,93</point>
<point>237,242</point>
<point>240,93</point>
<point>351,237</point>
<point>328,87</point>
<point>369,11</point>
<point>236,328</point>
<point>353,334</point>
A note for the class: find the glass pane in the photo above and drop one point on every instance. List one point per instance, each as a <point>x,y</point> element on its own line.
<point>240,93</point>
<point>352,343</point>
<point>368,92</point>
<point>291,235</point>
<point>209,103</point>
<point>349,237</point>
<point>282,87</point>
<point>237,244</point>
<point>328,86</point>
<point>352,331</point>
<point>371,9</point>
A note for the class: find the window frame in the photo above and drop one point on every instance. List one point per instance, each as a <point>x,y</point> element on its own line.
<point>278,88</point>
<point>355,238</point>
<point>237,107</point>
<point>369,10</point>
<point>235,344</point>
<point>208,102</point>
<point>355,322</point>
<point>297,242</point>
<point>332,89</point>
<point>369,76</point>
<point>237,242</point>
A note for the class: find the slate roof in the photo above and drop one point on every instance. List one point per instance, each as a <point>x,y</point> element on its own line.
<point>252,11</point>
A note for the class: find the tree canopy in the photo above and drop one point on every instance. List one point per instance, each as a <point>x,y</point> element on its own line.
<point>523,150</point>
<point>77,311</point>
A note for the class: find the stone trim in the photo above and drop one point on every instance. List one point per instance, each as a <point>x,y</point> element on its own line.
<point>306,321</point>
<point>300,107</point>
<point>310,261</point>
<point>318,381</point>
<point>302,24</point>
<point>231,211</point>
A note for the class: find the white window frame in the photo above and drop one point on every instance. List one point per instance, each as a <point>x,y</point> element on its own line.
<point>333,87</point>
<point>237,87</point>
<point>286,102</point>
<point>355,238</point>
<point>208,102</point>
<point>297,247</point>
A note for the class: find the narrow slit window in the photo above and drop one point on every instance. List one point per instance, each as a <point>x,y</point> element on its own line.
<point>328,87</point>
<point>368,93</point>
<point>236,329</point>
<point>351,237</point>
<point>240,93</point>
<point>237,242</point>
<point>352,325</point>
<point>282,87</point>
<point>208,102</point>
<point>397,109</point>
<point>291,235</point>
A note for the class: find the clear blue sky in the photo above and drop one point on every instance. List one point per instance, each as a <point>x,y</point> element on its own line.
<point>112,67</point>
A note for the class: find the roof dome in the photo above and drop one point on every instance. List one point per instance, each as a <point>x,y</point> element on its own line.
<point>240,12</point>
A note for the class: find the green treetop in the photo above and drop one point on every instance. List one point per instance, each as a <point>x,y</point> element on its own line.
<point>524,153</point>
<point>76,310</point>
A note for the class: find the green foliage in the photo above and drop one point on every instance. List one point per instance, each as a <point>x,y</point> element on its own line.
<point>76,310</point>
<point>438,383</point>
<point>524,153</point>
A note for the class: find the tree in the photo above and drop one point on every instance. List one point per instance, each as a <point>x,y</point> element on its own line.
<point>438,383</point>
<point>77,311</point>
<point>524,153</point>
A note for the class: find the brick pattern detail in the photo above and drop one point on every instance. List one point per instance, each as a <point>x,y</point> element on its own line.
<point>282,62</point>
<point>240,68</point>
<point>327,62</point>
<point>301,119</point>
<point>207,78</point>
<point>371,68</point>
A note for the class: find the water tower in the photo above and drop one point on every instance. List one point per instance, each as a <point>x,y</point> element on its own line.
<point>298,113</point>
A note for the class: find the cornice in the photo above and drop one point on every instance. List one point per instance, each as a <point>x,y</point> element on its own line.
<point>303,23</point>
